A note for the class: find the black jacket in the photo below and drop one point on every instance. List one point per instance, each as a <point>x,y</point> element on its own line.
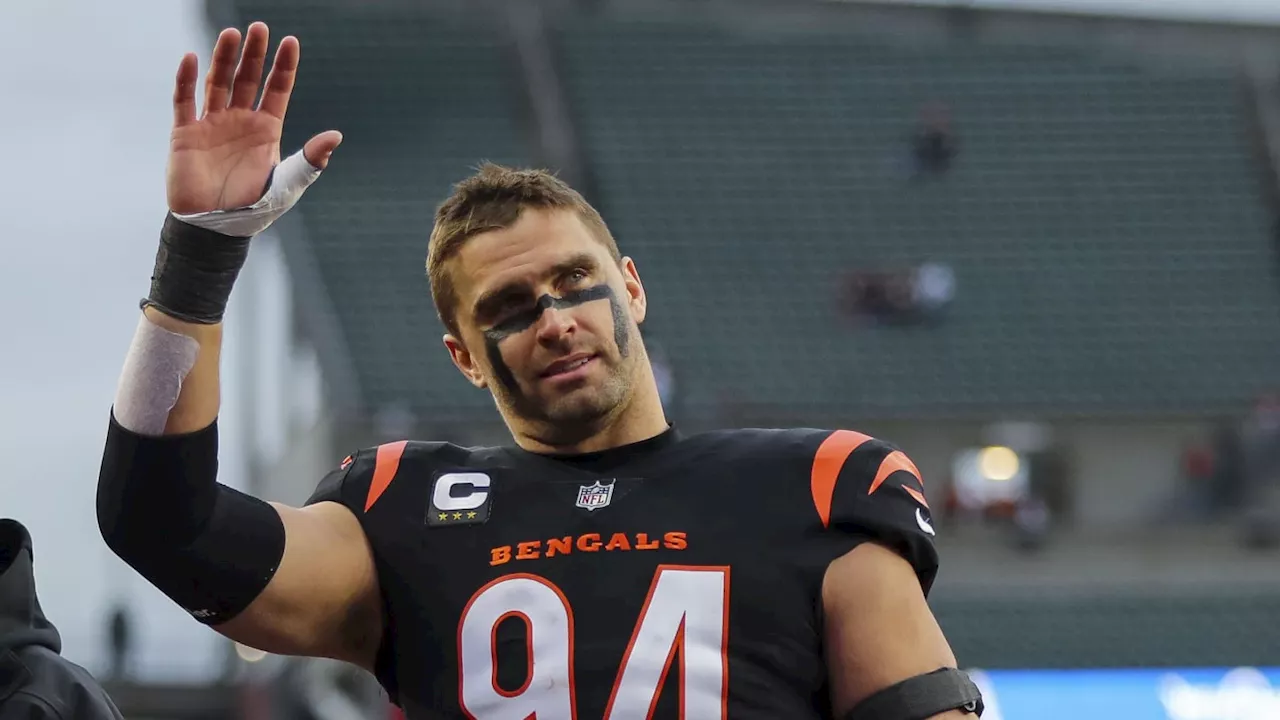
<point>36,683</point>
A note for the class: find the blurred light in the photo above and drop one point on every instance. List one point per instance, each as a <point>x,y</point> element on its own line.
<point>984,479</point>
<point>998,463</point>
<point>249,654</point>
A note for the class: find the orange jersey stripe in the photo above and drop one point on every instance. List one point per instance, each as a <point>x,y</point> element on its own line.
<point>826,468</point>
<point>385,465</point>
<point>919,496</point>
<point>892,463</point>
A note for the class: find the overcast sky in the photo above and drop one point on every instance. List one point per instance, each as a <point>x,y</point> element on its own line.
<point>85,121</point>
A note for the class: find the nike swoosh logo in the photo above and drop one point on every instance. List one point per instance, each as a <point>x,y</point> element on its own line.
<point>924,524</point>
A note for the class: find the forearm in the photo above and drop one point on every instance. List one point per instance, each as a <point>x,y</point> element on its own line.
<point>160,507</point>
<point>199,398</point>
<point>886,655</point>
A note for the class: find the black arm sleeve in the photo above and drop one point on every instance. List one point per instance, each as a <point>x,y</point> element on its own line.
<point>210,548</point>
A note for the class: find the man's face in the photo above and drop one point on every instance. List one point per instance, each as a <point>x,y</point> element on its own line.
<point>548,322</point>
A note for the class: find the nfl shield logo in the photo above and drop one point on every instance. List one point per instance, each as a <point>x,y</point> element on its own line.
<point>594,497</point>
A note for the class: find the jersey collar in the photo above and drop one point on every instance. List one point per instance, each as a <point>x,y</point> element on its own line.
<point>604,460</point>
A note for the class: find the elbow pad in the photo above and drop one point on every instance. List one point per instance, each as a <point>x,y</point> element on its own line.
<point>210,548</point>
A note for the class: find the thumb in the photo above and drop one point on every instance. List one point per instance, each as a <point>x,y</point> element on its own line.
<point>319,148</point>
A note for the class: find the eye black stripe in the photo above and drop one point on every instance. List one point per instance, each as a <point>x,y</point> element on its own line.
<point>524,320</point>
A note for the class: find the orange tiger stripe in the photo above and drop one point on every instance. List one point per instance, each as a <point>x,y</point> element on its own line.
<point>892,463</point>
<point>919,496</point>
<point>832,453</point>
<point>385,465</point>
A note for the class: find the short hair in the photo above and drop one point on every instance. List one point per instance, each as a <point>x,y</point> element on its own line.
<point>492,199</point>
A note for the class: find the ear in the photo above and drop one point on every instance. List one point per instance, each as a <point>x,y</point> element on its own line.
<point>636,299</point>
<point>464,361</point>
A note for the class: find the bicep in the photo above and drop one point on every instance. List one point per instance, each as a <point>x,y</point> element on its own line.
<point>324,598</point>
<point>878,628</point>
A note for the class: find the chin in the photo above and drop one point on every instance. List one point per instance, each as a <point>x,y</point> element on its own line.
<point>582,407</point>
<point>585,405</point>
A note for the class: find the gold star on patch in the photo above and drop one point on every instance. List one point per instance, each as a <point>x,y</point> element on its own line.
<point>444,516</point>
<point>471,515</point>
<point>457,516</point>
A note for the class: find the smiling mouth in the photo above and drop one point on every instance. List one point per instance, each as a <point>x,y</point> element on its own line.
<point>567,365</point>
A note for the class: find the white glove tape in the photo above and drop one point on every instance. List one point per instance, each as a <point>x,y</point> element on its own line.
<point>289,180</point>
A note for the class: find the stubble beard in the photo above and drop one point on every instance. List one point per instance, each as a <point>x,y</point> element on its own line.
<point>580,413</point>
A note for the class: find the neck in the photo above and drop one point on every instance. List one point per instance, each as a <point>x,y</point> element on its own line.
<point>637,420</point>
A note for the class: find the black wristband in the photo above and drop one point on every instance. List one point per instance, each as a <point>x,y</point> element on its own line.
<point>922,697</point>
<point>195,271</point>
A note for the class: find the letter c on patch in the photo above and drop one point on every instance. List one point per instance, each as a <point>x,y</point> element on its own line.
<point>443,497</point>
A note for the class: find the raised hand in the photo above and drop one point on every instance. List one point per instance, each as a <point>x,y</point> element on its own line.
<point>222,159</point>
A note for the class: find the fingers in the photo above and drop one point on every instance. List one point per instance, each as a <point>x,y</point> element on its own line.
<point>228,84</point>
<point>319,148</point>
<point>217,83</point>
<point>275,98</point>
<point>244,89</point>
<point>184,91</point>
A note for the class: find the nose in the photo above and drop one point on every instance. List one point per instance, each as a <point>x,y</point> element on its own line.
<point>554,324</point>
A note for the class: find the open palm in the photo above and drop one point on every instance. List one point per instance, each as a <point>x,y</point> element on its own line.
<point>222,159</point>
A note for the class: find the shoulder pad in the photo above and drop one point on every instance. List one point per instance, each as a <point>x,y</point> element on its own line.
<point>361,478</point>
<point>867,487</point>
<point>847,458</point>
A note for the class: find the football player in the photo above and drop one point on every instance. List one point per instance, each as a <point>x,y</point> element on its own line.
<point>602,566</point>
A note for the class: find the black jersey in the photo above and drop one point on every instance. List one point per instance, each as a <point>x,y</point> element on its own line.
<point>676,577</point>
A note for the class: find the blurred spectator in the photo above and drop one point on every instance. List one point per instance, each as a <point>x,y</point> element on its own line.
<point>1260,443</point>
<point>934,144</point>
<point>36,682</point>
<point>1032,521</point>
<point>120,632</point>
<point>1199,469</point>
<point>905,296</point>
<point>934,287</point>
<point>1228,470</point>
<point>884,296</point>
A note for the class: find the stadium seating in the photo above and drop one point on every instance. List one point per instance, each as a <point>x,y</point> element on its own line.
<point>1133,630</point>
<point>1104,221</point>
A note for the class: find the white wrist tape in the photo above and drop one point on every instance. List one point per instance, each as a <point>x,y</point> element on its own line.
<point>157,363</point>
<point>289,180</point>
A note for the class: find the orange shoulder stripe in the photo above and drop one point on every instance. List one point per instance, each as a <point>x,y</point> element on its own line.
<point>385,465</point>
<point>826,468</point>
<point>892,463</point>
<point>916,495</point>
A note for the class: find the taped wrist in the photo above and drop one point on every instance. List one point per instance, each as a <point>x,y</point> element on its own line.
<point>195,271</point>
<point>210,548</point>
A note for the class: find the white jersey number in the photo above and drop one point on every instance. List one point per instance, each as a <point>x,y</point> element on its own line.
<point>687,610</point>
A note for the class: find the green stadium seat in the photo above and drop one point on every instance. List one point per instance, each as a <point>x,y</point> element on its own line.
<point>1104,221</point>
